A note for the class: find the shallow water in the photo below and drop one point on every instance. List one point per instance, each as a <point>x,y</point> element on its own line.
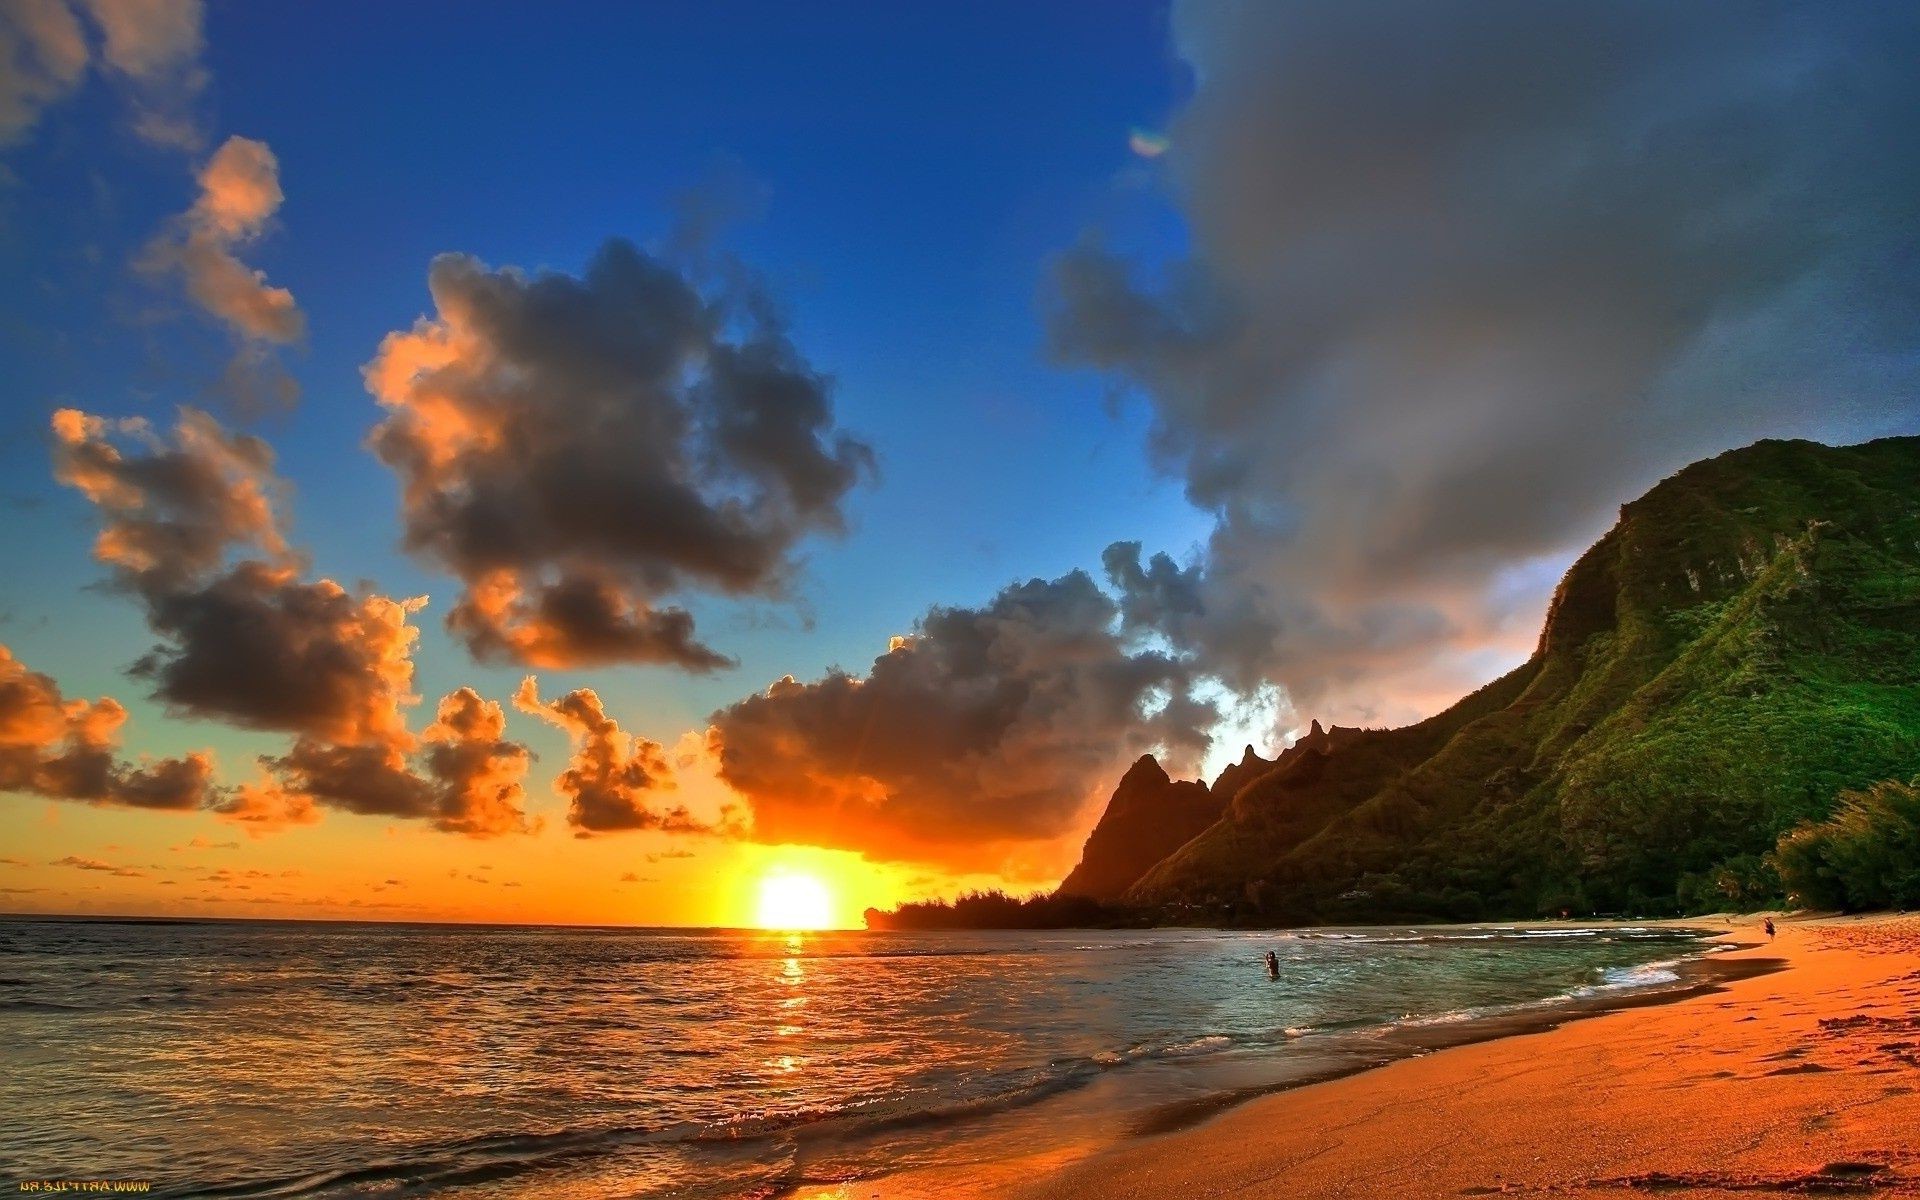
<point>308,1059</point>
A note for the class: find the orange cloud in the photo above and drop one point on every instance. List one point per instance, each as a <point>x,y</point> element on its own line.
<point>466,777</point>
<point>612,774</point>
<point>65,750</point>
<point>980,739</point>
<point>239,194</point>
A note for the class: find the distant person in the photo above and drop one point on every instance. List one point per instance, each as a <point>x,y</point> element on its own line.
<point>1768,924</point>
<point>1273,965</point>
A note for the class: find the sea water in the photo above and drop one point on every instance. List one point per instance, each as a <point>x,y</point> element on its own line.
<point>230,1058</point>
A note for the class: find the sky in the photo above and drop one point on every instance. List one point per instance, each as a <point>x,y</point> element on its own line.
<point>463,467</point>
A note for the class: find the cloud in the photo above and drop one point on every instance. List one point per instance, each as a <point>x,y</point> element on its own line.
<point>43,55</point>
<point>1465,278</point>
<point>152,49</point>
<point>245,639</point>
<point>578,451</point>
<point>202,843</point>
<point>461,775</point>
<point>612,775</point>
<point>239,195</point>
<point>190,527</point>
<point>148,38</point>
<point>152,45</point>
<point>65,750</point>
<point>985,733</point>
<point>94,864</point>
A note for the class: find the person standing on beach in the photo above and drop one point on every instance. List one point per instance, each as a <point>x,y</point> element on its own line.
<point>1768,923</point>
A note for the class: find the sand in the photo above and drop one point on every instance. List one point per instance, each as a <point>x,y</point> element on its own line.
<point>1802,1081</point>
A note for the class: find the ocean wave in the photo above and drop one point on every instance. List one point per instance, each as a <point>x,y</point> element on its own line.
<point>38,1006</point>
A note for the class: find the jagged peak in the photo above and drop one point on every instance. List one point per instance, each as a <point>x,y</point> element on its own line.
<point>1144,767</point>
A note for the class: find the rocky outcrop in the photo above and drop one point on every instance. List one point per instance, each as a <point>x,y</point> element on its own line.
<point>1148,817</point>
<point>1251,766</point>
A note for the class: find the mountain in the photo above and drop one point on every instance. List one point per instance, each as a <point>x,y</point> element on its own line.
<point>1148,816</point>
<point>1251,766</point>
<point>1741,647</point>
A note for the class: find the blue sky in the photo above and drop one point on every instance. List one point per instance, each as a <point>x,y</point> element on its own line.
<point>918,166</point>
<point>1405,303</point>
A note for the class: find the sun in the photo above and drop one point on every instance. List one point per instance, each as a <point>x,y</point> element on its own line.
<point>791,900</point>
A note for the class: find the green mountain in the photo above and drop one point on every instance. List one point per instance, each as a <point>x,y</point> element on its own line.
<point>1741,648</point>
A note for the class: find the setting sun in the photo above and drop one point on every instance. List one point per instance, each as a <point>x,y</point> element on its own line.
<point>793,901</point>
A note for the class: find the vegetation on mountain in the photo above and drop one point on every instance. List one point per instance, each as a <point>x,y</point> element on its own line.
<point>1741,648</point>
<point>1865,856</point>
<point>999,910</point>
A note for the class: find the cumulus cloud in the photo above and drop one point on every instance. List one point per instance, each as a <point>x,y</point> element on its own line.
<point>1464,278</point>
<point>465,777</point>
<point>239,194</point>
<point>152,45</point>
<point>580,451</point>
<point>66,750</point>
<point>612,777</point>
<point>985,733</point>
<point>191,528</point>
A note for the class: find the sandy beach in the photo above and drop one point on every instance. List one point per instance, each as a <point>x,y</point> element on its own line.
<point>1790,1067</point>
<point>1805,1080</point>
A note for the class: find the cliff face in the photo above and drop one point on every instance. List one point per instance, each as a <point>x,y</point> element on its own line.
<point>1742,646</point>
<point>1148,817</point>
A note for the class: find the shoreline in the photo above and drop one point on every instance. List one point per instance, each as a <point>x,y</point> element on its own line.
<point>1704,972</point>
<point>1791,1067</point>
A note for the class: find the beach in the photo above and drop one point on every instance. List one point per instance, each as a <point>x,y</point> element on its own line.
<point>1804,1080</point>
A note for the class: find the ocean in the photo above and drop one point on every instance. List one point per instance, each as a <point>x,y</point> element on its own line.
<point>231,1058</point>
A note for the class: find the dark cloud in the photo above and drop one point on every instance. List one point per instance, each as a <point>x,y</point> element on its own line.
<point>612,777</point>
<point>466,777</point>
<point>66,750</point>
<point>1465,277</point>
<point>987,730</point>
<point>190,527</point>
<point>580,450</point>
<point>246,640</point>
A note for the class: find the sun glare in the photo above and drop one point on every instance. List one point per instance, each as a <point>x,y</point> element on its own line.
<point>789,900</point>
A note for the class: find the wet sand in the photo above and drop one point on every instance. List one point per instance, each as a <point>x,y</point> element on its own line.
<point>1804,1080</point>
<point>1783,1068</point>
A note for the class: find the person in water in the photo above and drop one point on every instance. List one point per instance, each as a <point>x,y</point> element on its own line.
<point>1768,924</point>
<point>1273,965</point>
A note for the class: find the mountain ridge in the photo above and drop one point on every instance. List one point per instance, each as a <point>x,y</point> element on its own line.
<point>1742,646</point>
